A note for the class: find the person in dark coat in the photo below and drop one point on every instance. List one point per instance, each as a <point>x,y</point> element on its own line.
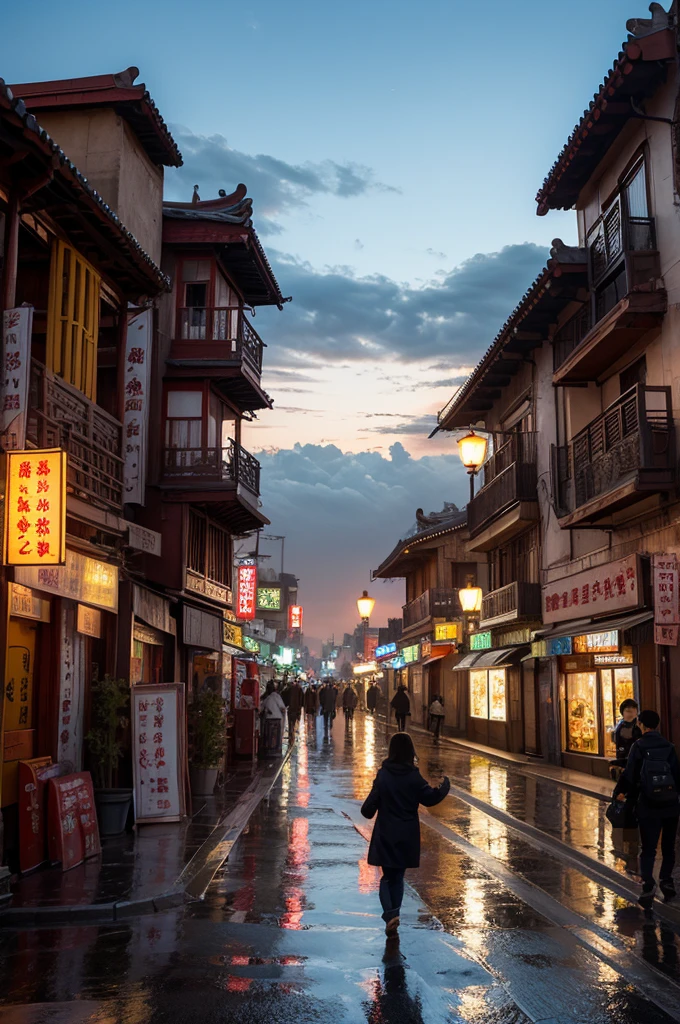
<point>397,791</point>
<point>349,701</point>
<point>329,699</point>
<point>401,705</point>
<point>295,702</point>
<point>311,700</point>
<point>372,698</point>
<point>652,776</point>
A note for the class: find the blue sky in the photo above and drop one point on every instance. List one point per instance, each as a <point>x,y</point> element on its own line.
<point>393,150</point>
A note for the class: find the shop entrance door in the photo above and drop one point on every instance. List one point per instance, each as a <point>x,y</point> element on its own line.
<point>532,734</point>
<point>19,705</point>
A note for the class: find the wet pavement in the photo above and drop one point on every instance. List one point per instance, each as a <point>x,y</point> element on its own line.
<point>495,928</point>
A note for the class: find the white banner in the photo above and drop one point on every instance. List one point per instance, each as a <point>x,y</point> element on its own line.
<point>159,753</point>
<point>613,587</point>
<point>665,578</point>
<point>71,691</point>
<point>17,325</point>
<point>136,407</point>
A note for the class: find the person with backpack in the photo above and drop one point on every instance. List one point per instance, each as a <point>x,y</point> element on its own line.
<point>652,775</point>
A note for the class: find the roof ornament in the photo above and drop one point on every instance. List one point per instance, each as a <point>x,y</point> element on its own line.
<point>639,27</point>
<point>195,197</point>
<point>126,79</point>
<point>424,522</point>
<point>562,253</point>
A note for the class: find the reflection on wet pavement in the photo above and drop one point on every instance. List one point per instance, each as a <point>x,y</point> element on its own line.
<point>290,930</point>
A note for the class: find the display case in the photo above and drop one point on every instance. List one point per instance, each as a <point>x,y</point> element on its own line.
<point>479,696</point>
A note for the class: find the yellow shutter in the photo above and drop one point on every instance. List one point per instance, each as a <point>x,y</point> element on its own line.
<point>73,319</point>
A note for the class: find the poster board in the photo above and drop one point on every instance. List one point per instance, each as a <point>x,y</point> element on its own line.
<point>159,752</point>
<point>72,833</point>
<point>33,778</point>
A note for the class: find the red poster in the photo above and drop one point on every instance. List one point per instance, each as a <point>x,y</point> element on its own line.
<point>370,646</point>
<point>33,778</point>
<point>247,588</point>
<point>73,834</point>
<point>295,617</point>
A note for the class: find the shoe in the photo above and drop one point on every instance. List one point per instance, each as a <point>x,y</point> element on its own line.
<point>667,886</point>
<point>392,926</point>
<point>646,897</point>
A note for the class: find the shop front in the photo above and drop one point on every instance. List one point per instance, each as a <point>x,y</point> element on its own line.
<point>152,648</point>
<point>494,712</point>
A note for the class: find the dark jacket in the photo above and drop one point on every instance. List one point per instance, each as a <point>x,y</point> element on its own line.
<point>625,735</point>
<point>629,783</point>
<point>372,696</point>
<point>296,697</point>
<point>311,700</point>
<point>397,791</point>
<point>401,703</point>
<point>328,699</point>
<point>349,697</point>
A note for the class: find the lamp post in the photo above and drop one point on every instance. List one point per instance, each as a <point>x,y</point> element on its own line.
<point>365,606</point>
<point>472,451</point>
<point>470,597</point>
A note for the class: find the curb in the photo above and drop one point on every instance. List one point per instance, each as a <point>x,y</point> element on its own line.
<point>119,910</point>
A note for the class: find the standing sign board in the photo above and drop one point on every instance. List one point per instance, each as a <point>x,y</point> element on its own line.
<point>159,752</point>
<point>17,326</point>
<point>33,778</point>
<point>72,835</point>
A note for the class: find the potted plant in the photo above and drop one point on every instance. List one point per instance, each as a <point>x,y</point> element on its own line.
<point>110,717</point>
<point>206,721</point>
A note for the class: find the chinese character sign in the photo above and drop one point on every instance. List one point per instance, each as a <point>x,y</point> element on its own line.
<point>666,606</point>
<point>17,325</point>
<point>613,587</point>
<point>35,508</point>
<point>136,404</point>
<point>158,751</point>
<point>295,616</point>
<point>247,586</point>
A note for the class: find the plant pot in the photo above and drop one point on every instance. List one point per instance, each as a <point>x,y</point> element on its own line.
<point>113,807</point>
<point>202,780</point>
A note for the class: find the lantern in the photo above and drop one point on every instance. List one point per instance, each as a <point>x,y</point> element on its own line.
<point>365,604</point>
<point>472,451</point>
<point>470,598</point>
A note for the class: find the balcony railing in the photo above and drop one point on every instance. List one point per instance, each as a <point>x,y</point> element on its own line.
<point>510,477</point>
<point>60,416</point>
<point>570,335</point>
<point>511,603</point>
<point>632,439</point>
<point>223,325</point>
<point>231,464</point>
<point>439,602</point>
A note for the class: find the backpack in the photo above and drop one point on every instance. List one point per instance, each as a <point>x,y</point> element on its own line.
<point>657,784</point>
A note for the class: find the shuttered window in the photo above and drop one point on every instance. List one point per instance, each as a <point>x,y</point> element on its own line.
<point>73,319</point>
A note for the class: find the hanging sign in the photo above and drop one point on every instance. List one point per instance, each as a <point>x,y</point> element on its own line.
<point>247,586</point>
<point>559,645</point>
<point>27,604</point>
<point>251,645</point>
<point>410,654</point>
<point>159,756</point>
<point>446,631</point>
<point>480,641</point>
<point>81,579</point>
<point>89,621</point>
<point>72,834</point>
<point>232,635</point>
<point>269,599</point>
<point>35,507</point>
<point>665,574</point>
<point>613,587</point>
<point>17,326</point>
<point>385,650</point>
<point>295,616</point>
<point>136,407</point>
<point>601,643</point>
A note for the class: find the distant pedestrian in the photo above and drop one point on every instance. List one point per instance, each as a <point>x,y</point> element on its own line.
<point>397,791</point>
<point>311,700</point>
<point>436,716</point>
<point>349,701</point>
<point>623,735</point>
<point>273,712</point>
<point>652,776</point>
<point>372,698</point>
<point>401,705</point>
<point>329,700</point>
<point>295,703</point>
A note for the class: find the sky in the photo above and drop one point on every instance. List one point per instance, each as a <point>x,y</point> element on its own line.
<point>393,151</point>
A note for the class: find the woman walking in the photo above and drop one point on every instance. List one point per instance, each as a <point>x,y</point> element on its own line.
<point>397,791</point>
<point>401,705</point>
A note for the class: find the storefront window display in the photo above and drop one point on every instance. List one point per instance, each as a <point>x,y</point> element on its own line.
<point>592,708</point>
<point>487,694</point>
<point>497,694</point>
<point>617,685</point>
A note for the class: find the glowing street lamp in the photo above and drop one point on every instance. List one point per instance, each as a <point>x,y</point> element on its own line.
<point>470,598</point>
<point>365,605</point>
<point>472,451</point>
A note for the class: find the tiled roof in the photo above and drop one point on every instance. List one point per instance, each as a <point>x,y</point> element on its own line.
<point>456,522</point>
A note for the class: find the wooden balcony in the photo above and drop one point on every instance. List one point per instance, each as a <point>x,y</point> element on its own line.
<point>625,299</point>
<point>60,416</point>
<point>514,603</point>
<point>619,458</point>
<point>219,342</point>
<point>507,503</point>
<point>440,602</point>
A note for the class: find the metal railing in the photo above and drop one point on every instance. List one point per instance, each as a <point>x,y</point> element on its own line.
<point>515,601</point>
<point>438,602</point>
<point>226,325</point>
<point>210,465</point>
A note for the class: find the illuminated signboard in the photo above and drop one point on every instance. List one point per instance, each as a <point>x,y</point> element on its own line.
<point>35,507</point>
<point>624,658</point>
<point>285,657</point>
<point>398,663</point>
<point>410,654</point>
<point>480,641</point>
<point>606,642</point>
<point>295,616</point>
<point>364,669</point>
<point>446,631</point>
<point>560,645</point>
<point>251,645</point>
<point>247,585</point>
<point>426,648</point>
<point>385,650</point>
<point>269,599</point>
<point>232,635</point>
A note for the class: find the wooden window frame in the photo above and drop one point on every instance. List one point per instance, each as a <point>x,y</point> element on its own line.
<point>73,319</point>
<point>214,537</point>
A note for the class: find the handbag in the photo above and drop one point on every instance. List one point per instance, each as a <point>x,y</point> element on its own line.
<point>622,814</point>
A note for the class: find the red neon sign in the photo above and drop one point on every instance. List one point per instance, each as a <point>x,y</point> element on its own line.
<point>295,616</point>
<point>247,588</point>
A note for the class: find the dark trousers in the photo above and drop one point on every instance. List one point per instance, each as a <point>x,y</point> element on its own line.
<point>436,725</point>
<point>391,892</point>
<point>401,722</point>
<point>650,830</point>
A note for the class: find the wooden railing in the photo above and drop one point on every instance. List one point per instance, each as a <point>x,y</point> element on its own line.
<point>210,465</point>
<point>634,434</point>
<point>60,416</point>
<point>570,335</point>
<point>515,601</point>
<point>520,447</point>
<point>439,602</point>
<point>510,476</point>
<point>224,324</point>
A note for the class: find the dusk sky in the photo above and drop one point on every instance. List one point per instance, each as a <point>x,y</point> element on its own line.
<point>393,150</point>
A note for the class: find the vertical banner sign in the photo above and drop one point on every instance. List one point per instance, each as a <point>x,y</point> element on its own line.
<point>295,617</point>
<point>136,404</point>
<point>159,763</point>
<point>35,507</point>
<point>17,325</point>
<point>665,574</point>
<point>71,691</point>
<point>247,587</point>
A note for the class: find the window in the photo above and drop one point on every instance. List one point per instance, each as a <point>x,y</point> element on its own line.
<point>184,421</point>
<point>582,717</point>
<point>632,375</point>
<point>487,694</point>
<point>73,319</point>
<point>208,549</point>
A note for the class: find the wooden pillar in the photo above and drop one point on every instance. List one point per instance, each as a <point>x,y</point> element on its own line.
<point>9,277</point>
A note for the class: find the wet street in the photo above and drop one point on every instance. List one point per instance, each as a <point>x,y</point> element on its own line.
<point>522,910</point>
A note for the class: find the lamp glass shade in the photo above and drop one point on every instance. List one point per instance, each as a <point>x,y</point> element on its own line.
<point>365,604</point>
<point>470,598</point>
<point>472,450</point>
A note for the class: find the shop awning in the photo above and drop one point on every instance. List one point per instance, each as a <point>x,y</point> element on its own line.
<point>579,627</point>
<point>467,662</point>
<point>502,656</point>
<point>439,652</point>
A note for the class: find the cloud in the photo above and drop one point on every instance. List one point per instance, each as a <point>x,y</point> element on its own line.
<point>436,254</point>
<point>338,315</point>
<point>277,187</point>
<point>413,425</point>
<point>342,514</point>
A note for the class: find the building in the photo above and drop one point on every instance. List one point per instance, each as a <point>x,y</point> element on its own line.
<point>434,564</point>
<point>589,363</point>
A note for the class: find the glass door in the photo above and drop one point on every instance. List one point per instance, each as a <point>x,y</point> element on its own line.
<point>582,718</point>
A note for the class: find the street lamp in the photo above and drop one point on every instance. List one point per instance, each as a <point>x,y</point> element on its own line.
<point>472,451</point>
<point>365,605</point>
<point>470,598</point>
